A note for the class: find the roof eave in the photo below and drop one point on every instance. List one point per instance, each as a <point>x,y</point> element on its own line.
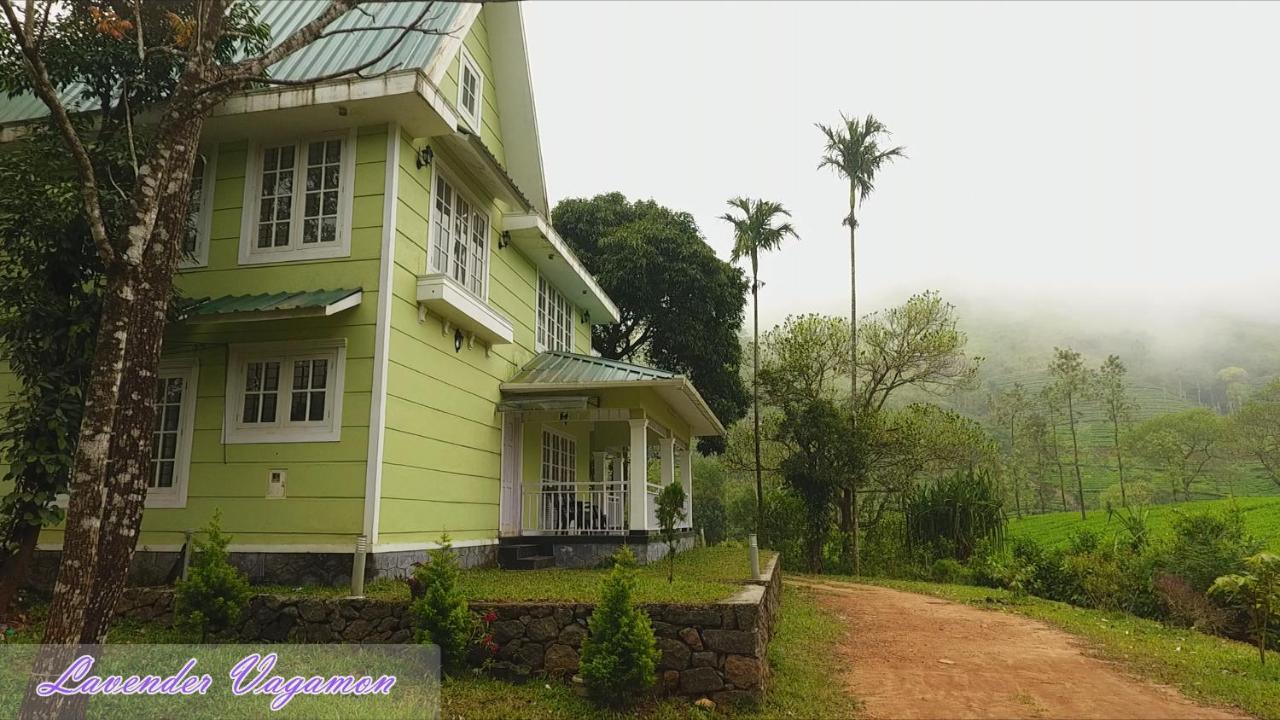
<point>705,423</point>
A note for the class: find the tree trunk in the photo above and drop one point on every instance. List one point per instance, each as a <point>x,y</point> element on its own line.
<point>14,569</point>
<point>1115,431</point>
<point>1013,454</point>
<point>108,485</point>
<point>1057,459</point>
<point>1075,453</point>
<point>755,398</point>
<point>856,479</point>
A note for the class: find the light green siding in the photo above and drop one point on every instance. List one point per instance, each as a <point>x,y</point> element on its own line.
<point>477,43</point>
<point>324,503</point>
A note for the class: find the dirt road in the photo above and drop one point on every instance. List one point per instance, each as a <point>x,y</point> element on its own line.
<point>913,656</point>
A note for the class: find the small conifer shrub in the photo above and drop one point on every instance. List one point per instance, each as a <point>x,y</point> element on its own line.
<point>215,593</point>
<point>620,654</point>
<point>440,612</point>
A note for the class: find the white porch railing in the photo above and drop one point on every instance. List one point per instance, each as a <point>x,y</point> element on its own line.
<point>578,508</point>
<point>653,489</point>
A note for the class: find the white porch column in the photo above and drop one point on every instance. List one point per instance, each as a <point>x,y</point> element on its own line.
<point>686,479</point>
<point>667,460</point>
<point>598,467</point>
<point>637,483</point>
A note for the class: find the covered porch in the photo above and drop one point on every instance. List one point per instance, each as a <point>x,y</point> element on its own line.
<point>589,443</point>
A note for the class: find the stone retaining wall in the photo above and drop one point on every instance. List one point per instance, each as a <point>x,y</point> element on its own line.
<point>714,650</point>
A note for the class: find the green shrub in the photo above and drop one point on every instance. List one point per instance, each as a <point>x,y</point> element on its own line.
<point>1257,592</point>
<point>439,609</point>
<point>949,570</point>
<point>951,516</point>
<point>670,512</point>
<point>1206,546</point>
<point>215,593</point>
<point>620,653</point>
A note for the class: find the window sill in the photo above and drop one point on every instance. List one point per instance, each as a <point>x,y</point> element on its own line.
<point>445,297</point>
<point>241,436</point>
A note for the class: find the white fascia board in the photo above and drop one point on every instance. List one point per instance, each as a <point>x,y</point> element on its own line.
<point>677,392</point>
<point>538,241</point>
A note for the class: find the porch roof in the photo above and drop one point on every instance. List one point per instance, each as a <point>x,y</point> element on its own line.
<point>561,372</point>
<point>272,306</point>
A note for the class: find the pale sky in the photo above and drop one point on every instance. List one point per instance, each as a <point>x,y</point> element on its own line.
<point>1126,153</point>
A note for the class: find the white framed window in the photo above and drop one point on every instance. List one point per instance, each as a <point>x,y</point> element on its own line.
<point>195,243</point>
<point>298,200</point>
<point>459,237</point>
<point>559,458</point>
<point>555,319</point>
<point>470,89</point>
<point>285,392</point>
<point>175,408</point>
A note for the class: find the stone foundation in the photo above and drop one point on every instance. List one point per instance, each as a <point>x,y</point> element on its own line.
<point>715,650</point>
<point>152,568</point>
<point>588,552</point>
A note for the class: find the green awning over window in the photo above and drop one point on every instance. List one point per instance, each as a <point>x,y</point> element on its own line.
<point>273,306</point>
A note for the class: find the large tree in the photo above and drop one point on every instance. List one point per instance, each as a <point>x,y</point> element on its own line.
<point>165,67</point>
<point>854,152</point>
<point>1114,394</point>
<point>757,230</point>
<point>1011,407</point>
<point>50,296</point>
<point>1256,429</point>
<point>1072,382</point>
<point>1182,444</point>
<point>681,307</point>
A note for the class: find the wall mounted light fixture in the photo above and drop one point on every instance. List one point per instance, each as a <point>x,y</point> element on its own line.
<point>425,155</point>
<point>504,240</point>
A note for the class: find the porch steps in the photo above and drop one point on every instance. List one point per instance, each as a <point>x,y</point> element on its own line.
<point>525,556</point>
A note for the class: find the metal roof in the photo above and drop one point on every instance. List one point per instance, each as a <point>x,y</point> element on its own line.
<point>565,372</point>
<point>274,306</point>
<point>326,56</point>
<point>563,367</point>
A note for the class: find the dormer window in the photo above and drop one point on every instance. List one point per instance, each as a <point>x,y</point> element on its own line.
<point>470,89</point>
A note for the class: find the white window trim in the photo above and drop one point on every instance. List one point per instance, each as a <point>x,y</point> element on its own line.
<point>466,60</point>
<point>176,496</point>
<point>234,432</point>
<point>204,223</point>
<point>539,345</point>
<point>437,171</point>
<point>250,253</point>
<point>548,429</point>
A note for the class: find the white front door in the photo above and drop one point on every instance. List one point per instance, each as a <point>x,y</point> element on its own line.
<point>511,456</point>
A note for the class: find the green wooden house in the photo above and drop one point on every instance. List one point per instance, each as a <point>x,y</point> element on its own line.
<point>386,339</point>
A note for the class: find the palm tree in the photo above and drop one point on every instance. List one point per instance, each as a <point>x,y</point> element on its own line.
<point>853,152</point>
<point>755,231</point>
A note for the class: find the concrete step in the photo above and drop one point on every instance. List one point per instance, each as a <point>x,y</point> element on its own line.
<point>532,562</point>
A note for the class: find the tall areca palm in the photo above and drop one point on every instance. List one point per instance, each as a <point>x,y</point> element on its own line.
<point>853,151</point>
<point>757,230</point>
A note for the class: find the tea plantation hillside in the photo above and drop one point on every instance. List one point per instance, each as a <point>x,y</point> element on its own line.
<point>1097,461</point>
<point>1261,519</point>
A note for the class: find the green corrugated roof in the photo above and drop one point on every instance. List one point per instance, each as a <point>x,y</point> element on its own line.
<point>327,56</point>
<point>281,304</point>
<point>563,367</point>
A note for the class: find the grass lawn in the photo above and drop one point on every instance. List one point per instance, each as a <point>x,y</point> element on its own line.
<point>1261,519</point>
<point>702,575</point>
<point>801,685</point>
<point>1213,669</point>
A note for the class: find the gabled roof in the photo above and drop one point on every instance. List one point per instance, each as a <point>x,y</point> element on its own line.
<point>562,372</point>
<point>323,57</point>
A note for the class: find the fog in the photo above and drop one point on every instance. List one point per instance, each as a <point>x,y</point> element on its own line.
<point>1101,161</point>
